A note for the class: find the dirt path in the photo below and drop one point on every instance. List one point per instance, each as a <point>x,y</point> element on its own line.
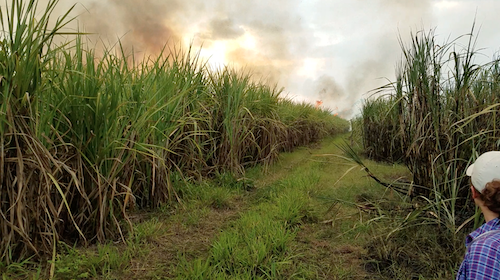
<point>329,243</point>
<point>187,238</point>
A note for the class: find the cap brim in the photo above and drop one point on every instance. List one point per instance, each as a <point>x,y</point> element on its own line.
<point>469,170</point>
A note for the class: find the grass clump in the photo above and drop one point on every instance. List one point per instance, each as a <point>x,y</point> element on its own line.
<point>106,262</point>
<point>256,246</point>
<point>417,251</point>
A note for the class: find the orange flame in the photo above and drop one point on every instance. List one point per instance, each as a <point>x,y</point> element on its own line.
<point>318,103</point>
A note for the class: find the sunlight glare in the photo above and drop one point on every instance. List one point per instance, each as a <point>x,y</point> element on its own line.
<point>215,54</point>
<point>247,41</point>
<point>309,67</point>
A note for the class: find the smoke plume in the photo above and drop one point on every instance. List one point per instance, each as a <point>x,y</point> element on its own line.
<point>336,51</point>
<point>145,26</point>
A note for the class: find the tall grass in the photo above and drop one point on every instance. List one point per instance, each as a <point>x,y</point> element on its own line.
<point>33,200</point>
<point>439,114</point>
<point>85,138</point>
<point>379,118</point>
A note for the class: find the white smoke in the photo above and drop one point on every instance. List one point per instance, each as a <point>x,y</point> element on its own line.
<point>336,50</point>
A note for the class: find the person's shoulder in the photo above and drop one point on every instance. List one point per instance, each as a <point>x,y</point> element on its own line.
<point>491,242</point>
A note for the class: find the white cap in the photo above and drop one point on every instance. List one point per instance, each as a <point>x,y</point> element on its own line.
<point>485,169</point>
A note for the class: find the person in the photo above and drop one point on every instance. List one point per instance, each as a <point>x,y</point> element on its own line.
<point>482,257</point>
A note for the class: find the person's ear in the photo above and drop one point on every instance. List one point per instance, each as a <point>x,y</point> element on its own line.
<point>475,193</point>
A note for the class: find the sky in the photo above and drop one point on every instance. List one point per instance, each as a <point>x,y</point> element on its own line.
<point>336,51</point>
